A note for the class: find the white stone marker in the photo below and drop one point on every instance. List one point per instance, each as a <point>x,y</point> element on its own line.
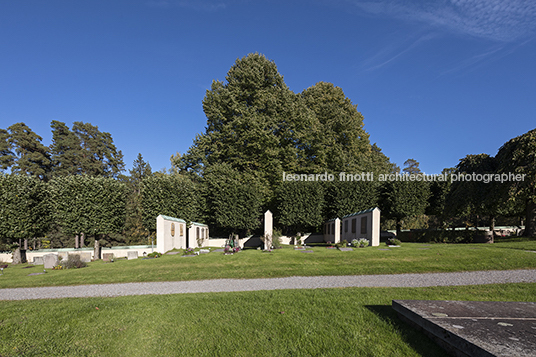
<point>337,230</point>
<point>268,229</point>
<point>50,261</point>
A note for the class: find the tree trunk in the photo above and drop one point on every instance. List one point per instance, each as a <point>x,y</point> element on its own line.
<point>398,228</point>
<point>492,223</point>
<point>76,246</point>
<point>25,243</point>
<point>82,238</point>
<point>530,224</point>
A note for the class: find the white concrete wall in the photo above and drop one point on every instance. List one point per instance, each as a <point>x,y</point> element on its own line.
<point>118,252</point>
<point>198,233</point>
<point>168,238</point>
<point>372,227</point>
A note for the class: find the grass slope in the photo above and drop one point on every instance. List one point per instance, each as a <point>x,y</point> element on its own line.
<point>322,322</point>
<point>410,258</point>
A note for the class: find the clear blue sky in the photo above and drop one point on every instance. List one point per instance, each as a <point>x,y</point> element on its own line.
<point>435,80</point>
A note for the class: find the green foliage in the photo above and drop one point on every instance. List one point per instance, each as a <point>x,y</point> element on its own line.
<point>438,236</point>
<point>25,152</point>
<point>98,155</point>
<point>347,197</point>
<point>467,198</point>
<point>135,230</point>
<point>340,142</point>
<point>256,124</point>
<point>90,205</point>
<point>439,191</point>
<point>6,155</point>
<point>518,156</point>
<point>400,199</point>
<point>300,204</point>
<point>65,150</point>
<point>392,241</point>
<point>234,199</point>
<point>24,210</point>
<point>411,167</point>
<point>170,195</point>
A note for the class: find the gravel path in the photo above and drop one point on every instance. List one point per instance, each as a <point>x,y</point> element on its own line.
<point>295,282</point>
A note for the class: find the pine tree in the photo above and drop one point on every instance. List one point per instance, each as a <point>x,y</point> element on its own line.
<point>65,150</point>
<point>31,157</point>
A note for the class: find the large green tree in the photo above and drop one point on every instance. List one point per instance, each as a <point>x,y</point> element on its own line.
<point>170,195</point>
<point>340,142</point>
<point>437,203</point>
<point>6,155</point>
<point>411,167</point>
<point>300,205</point>
<point>65,149</point>
<point>401,199</point>
<point>474,198</point>
<point>24,211</point>
<point>25,153</point>
<point>98,155</point>
<point>518,157</point>
<point>135,231</point>
<point>346,197</point>
<point>88,205</point>
<point>234,199</point>
<point>255,123</point>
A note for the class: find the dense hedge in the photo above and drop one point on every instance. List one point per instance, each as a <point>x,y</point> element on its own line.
<point>438,236</point>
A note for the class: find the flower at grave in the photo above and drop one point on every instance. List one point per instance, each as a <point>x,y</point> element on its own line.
<point>361,242</point>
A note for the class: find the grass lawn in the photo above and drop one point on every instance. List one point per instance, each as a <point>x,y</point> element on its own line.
<point>410,258</point>
<point>321,322</point>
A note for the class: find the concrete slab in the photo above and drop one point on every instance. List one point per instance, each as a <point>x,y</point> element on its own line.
<point>474,328</point>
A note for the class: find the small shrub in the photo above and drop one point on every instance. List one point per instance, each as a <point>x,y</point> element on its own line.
<point>154,255</point>
<point>344,243</point>
<point>188,251</point>
<point>361,242</point>
<point>392,241</point>
<point>276,243</point>
<point>73,262</point>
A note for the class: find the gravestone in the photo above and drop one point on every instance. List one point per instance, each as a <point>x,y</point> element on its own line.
<point>132,255</point>
<point>85,257</point>
<point>38,261</point>
<point>268,229</point>
<point>50,261</point>
<point>107,256</point>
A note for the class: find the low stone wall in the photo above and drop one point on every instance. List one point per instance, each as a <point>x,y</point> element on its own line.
<point>118,252</point>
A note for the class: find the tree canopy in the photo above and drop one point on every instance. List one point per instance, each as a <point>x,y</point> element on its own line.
<point>256,124</point>
<point>518,156</point>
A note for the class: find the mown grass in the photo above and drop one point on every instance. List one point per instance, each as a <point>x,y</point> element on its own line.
<point>410,258</point>
<point>321,322</point>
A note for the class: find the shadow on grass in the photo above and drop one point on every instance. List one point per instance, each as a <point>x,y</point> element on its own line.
<point>414,338</point>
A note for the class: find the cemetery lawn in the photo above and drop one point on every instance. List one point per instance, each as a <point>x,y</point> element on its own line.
<point>321,322</point>
<point>409,258</point>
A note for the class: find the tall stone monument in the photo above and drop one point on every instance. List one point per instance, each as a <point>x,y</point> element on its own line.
<point>268,229</point>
